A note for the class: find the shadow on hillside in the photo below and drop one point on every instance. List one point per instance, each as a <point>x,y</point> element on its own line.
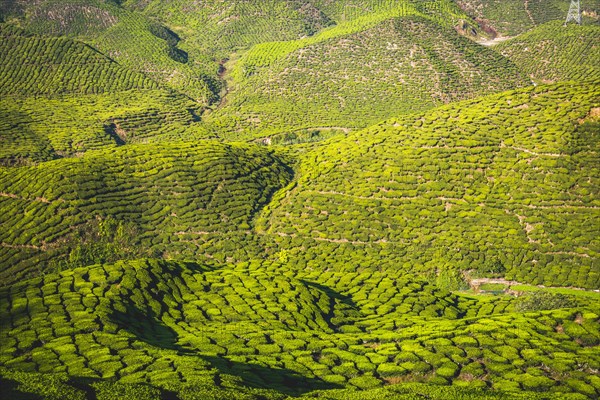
<point>9,390</point>
<point>150,329</point>
<point>342,304</point>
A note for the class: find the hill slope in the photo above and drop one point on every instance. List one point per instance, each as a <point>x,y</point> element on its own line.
<point>465,186</point>
<point>176,200</point>
<point>198,332</point>
<point>513,17</point>
<point>399,66</point>
<point>552,52</point>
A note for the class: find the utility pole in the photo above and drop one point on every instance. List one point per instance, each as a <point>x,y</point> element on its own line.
<point>574,13</point>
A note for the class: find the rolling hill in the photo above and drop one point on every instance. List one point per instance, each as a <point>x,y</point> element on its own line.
<point>314,199</point>
<point>553,53</point>
<point>439,190</point>
<point>513,17</point>
<point>352,81</point>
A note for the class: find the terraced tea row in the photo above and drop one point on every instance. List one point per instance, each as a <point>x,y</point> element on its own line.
<point>174,200</point>
<point>552,52</point>
<point>35,129</point>
<point>130,39</point>
<point>271,326</point>
<point>466,186</point>
<point>34,65</point>
<point>399,66</point>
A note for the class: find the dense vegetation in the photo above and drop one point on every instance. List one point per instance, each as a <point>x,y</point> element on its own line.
<point>463,186</point>
<point>412,214</point>
<point>170,200</point>
<point>212,333</point>
<point>398,66</point>
<point>552,52</point>
<point>513,17</point>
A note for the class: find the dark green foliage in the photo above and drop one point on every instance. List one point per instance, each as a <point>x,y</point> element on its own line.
<point>543,300</point>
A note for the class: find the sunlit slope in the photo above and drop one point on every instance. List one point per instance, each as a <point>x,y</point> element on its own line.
<point>201,332</point>
<point>172,200</point>
<point>35,128</point>
<point>513,17</point>
<point>399,66</point>
<point>219,28</point>
<point>129,38</point>
<point>508,181</point>
<point>553,52</point>
<point>34,65</point>
<point>61,98</point>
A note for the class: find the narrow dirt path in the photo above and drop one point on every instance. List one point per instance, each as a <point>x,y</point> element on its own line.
<point>476,283</point>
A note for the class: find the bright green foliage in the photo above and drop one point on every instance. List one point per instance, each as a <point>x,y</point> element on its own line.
<point>398,66</point>
<point>512,17</point>
<point>175,200</point>
<point>458,187</point>
<point>552,52</point>
<point>33,65</point>
<point>159,323</point>
<point>35,129</point>
<point>141,258</point>
<point>132,40</point>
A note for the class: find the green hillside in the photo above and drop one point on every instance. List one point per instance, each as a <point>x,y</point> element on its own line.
<point>311,199</point>
<point>513,17</point>
<point>552,52</point>
<point>466,186</point>
<point>168,200</point>
<point>33,65</point>
<point>200,333</point>
<point>352,81</point>
<point>130,39</point>
<point>61,98</point>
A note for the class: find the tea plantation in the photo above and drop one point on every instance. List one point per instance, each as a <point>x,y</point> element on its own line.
<point>552,52</point>
<point>401,65</point>
<point>205,332</point>
<point>471,185</point>
<point>314,199</point>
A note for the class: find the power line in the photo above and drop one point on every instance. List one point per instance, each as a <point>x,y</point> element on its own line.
<point>574,12</point>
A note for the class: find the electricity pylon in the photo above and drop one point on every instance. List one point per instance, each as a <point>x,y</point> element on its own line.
<point>574,13</point>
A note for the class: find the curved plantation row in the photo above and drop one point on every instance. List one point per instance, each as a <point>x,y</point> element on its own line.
<point>34,65</point>
<point>175,200</point>
<point>513,17</point>
<point>190,329</point>
<point>35,129</point>
<point>468,186</point>
<point>552,52</point>
<point>400,66</point>
<point>131,39</point>
<point>443,12</point>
